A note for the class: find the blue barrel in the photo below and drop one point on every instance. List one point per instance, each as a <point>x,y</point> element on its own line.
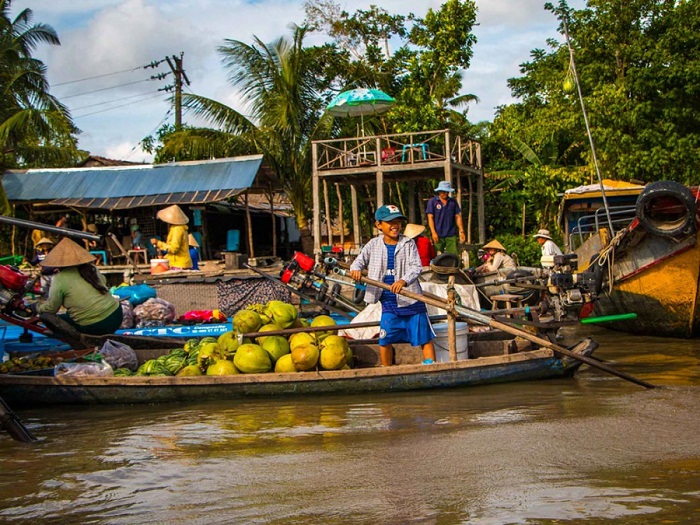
<point>233,240</point>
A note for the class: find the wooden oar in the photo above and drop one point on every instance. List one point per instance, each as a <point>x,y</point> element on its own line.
<point>10,422</point>
<point>479,318</point>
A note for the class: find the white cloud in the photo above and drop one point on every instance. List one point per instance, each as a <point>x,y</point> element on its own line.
<point>105,36</point>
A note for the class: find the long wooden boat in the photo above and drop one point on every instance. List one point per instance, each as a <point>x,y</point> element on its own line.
<point>650,265</point>
<point>409,374</point>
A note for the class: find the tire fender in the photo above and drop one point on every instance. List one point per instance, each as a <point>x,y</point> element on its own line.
<point>666,208</point>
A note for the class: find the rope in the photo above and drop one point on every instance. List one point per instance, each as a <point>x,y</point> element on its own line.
<point>607,256</point>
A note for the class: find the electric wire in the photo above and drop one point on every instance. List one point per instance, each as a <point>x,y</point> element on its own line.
<point>106,89</point>
<point>162,121</point>
<point>98,76</point>
<point>118,107</point>
<point>111,101</point>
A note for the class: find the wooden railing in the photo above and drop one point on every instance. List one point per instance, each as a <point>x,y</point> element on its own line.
<point>398,149</point>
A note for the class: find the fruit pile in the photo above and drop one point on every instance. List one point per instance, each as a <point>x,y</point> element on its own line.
<point>26,364</point>
<point>226,355</point>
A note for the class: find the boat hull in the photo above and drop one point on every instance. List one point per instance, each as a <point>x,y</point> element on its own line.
<point>522,366</point>
<point>656,278</point>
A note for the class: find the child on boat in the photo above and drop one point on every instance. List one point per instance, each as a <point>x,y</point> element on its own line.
<point>393,258</point>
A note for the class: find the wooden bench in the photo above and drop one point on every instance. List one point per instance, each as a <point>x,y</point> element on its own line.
<point>509,300</point>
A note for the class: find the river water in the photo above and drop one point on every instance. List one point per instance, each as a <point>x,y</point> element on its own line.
<point>589,450</point>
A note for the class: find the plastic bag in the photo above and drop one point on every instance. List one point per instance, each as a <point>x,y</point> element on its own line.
<point>136,294</point>
<point>119,355</point>
<point>154,312</point>
<point>127,315</point>
<point>83,370</point>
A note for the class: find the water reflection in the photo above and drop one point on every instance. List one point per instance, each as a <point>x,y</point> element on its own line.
<point>591,449</point>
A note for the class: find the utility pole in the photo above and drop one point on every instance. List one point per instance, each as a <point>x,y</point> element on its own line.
<point>180,75</point>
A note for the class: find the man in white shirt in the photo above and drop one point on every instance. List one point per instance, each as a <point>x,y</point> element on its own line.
<point>546,243</point>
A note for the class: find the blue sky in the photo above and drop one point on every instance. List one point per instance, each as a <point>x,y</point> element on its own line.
<point>109,38</point>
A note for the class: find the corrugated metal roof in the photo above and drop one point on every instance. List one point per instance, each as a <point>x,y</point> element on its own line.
<point>121,187</point>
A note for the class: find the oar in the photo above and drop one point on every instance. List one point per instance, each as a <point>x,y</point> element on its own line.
<point>479,318</point>
<point>10,422</point>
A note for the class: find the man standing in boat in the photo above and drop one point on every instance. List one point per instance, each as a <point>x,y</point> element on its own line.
<point>546,243</point>
<point>445,219</point>
<point>393,258</point>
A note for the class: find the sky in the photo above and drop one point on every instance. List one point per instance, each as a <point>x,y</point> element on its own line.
<point>98,72</point>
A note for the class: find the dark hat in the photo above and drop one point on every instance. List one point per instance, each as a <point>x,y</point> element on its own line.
<point>388,212</point>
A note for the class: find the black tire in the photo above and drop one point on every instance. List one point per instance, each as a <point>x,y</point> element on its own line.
<point>335,291</point>
<point>321,293</point>
<point>447,260</point>
<point>666,208</point>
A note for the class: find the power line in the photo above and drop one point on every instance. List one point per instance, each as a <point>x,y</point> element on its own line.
<point>162,121</point>
<point>107,88</point>
<point>117,107</point>
<point>98,76</point>
<point>113,100</point>
<point>154,64</point>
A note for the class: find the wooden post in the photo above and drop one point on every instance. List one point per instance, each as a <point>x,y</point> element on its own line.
<point>451,319</point>
<point>271,196</point>
<point>357,237</point>
<point>481,213</point>
<point>249,228</point>
<point>380,188</point>
<point>412,202</point>
<point>316,200</point>
<point>327,206</point>
<point>341,223</point>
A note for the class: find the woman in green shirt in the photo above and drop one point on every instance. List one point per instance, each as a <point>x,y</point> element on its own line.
<point>81,289</point>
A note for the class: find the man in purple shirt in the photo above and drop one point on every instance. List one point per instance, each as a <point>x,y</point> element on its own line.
<point>445,219</point>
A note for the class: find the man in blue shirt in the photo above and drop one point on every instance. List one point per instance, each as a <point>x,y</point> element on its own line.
<point>445,219</point>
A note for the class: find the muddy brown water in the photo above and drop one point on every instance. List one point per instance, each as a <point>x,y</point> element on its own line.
<point>592,449</point>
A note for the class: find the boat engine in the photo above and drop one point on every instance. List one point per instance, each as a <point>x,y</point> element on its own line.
<point>14,285</point>
<point>568,291</point>
<point>306,275</point>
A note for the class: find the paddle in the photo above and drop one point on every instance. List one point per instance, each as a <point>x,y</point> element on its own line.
<point>479,318</point>
<point>10,422</point>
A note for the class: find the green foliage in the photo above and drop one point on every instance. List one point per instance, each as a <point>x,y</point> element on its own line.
<point>35,128</point>
<point>527,250</point>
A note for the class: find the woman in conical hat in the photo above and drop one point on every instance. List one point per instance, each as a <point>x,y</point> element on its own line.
<point>176,245</point>
<point>194,254</point>
<point>496,258</point>
<point>426,250</point>
<point>81,289</point>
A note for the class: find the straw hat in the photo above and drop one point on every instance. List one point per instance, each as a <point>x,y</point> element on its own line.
<point>65,254</point>
<point>192,241</point>
<point>173,215</point>
<point>495,245</point>
<point>44,240</point>
<point>413,230</point>
<point>92,228</point>
<point>544,234</point>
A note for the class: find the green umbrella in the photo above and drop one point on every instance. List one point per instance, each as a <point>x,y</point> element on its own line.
<point>360,102</point>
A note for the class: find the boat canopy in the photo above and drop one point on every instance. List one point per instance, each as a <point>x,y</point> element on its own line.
<point>612,187</point>
<point>132,186</point>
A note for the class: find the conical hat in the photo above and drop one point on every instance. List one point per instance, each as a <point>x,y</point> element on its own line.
<point>67,253</point>
<point>173,215</point>
<point>192,241</point>
<point>44,240</point>
<point>495,245</point>
<point>413,230</point>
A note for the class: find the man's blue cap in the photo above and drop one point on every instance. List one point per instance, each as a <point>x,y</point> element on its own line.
<point>388,212</point>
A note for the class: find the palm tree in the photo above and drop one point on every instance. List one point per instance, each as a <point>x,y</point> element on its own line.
<point>285,113</point>
<point>35,128</point>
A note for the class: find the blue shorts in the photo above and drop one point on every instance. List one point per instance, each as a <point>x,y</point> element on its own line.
<point>415,329</point>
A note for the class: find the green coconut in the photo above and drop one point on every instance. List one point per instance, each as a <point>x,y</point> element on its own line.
<point>276,346</point>
<point>332,357</point>
<point>283,314</point>
<point>322,320</point>
<point>301,338</point>
<point>305,356</point>
<point>285,365</point>
<point>266,328</point>
<point>223,367</point>
<point>245,321</point>
<point>228,342</point>
<point>252,359</point>
<point>190,370</point>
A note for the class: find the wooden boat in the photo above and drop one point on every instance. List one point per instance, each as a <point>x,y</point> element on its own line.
<point>651,264</point>
<point>502,361</point>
